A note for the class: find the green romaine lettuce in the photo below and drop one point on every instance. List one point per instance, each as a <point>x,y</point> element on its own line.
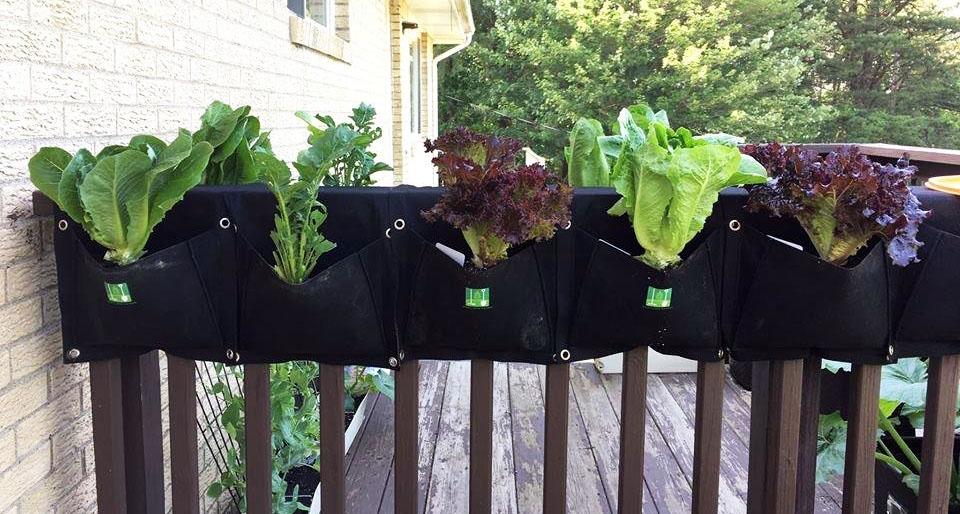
<point>586,163</point>
<point>669,180</point>
<point>120,195</point>
<point>235,136</point>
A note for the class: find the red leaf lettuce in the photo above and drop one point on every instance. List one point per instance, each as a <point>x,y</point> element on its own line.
<point>842,199</point>
<point>496,203</point>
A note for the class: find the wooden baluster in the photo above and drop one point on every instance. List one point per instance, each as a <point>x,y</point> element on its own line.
<point>632,419</point>
<point>142,433</point>
<point>759,403</point>
<point>481,435</point>
<point>858,470</point>
<point>406,438</point>
<point>555,438</point>
<point>938,435</point>
<point>809,424</point>
<point>706,449</point>
<point>184,466</point>
<point>107,412</point>
<point>783,436</point>
<point>332,469</point>
<point>258,433</point>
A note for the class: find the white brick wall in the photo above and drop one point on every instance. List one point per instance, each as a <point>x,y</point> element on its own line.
<point>87,73</point>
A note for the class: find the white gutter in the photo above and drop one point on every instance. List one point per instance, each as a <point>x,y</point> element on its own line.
<point>467,39</point>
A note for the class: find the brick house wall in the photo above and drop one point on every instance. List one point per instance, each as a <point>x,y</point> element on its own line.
<point>88,73</point>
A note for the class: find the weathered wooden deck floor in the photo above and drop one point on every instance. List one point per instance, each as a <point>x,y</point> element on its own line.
<point>518,439</point>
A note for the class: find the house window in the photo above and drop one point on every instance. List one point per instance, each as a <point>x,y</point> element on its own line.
<point>320,11</point>
<point>415,86</point>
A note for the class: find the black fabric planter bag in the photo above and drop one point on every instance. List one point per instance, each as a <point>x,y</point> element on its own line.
<point>618,309</point>
<point>609,314</point>
<point>792,302</point>
<point>515,326</point>
<point>179,297</point>
<point>518,324</point>
<point>343,313</point>
<point>927,292</point>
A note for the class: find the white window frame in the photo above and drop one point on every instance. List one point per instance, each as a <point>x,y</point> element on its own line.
<point>299,7</point>
<point>415,85</point>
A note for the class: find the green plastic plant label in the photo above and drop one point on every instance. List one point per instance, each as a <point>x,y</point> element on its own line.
<point>658,298</point>
<point>477,298</point>
<point>118,293</point>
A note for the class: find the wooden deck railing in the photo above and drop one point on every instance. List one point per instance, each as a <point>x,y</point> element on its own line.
<point>125,397</point>
<point>784,409</point>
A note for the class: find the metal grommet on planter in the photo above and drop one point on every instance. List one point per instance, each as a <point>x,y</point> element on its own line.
<point>73,353</point>
<point>62,225</point>
<point>399,224</point>
<point>564,355</point>
<point>890,352</point>
<point>568,225</point>
<point>393,362</point>
<point>233,356</point>
<point>387,233</point>
<point>224,222</point>
<point>734,225</point>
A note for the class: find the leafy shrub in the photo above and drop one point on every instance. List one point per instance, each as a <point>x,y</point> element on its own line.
<point>493,201</point>
<point>119,195</point>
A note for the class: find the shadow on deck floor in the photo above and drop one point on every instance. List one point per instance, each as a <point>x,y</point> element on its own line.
<point>518,441</point>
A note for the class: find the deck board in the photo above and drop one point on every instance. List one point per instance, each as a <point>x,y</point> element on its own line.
<point>518,441</point>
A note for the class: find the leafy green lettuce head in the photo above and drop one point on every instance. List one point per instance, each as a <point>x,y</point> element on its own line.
<point>669,180</point>
<point>119,195</point>
<point>235,136</point>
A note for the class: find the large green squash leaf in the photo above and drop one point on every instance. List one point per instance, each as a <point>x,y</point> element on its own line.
<point>586,162</point>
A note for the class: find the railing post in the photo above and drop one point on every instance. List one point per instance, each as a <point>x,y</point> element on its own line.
<point>633,413</point>
<point>938,435</point>
<point>759,403</point>
<point>184,467</point>
<point>481,436</point>
<point>142,433</point>
<point>858,470</point>
<point>258,433</point>
<point>809,424</point>
<point>332,473</point>
<point>783,436</point>
<point>557,407</point>
<point>708,426</point>
<point>405,438</point>
<point>107,412</point>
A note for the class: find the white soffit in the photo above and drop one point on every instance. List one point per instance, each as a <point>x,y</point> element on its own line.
<point>447,21</point>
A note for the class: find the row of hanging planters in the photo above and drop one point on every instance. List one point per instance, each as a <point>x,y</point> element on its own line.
<point>822,254</point>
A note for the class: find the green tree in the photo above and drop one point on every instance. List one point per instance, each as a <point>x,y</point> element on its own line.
<point>764,69</point>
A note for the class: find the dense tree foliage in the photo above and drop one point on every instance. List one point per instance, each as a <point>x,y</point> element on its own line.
<point>800,70</point>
